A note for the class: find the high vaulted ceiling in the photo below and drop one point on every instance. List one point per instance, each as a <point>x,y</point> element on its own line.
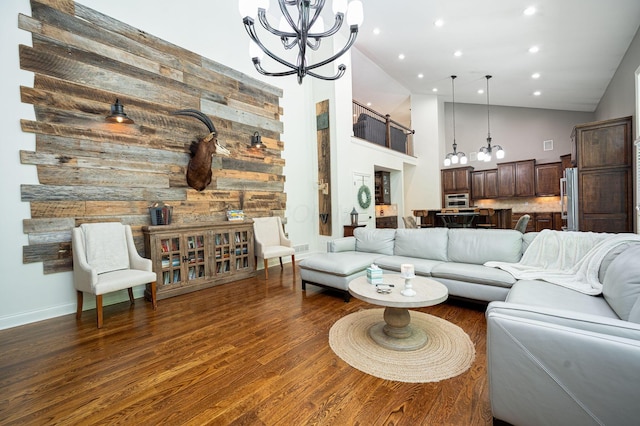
<point>581,44</point>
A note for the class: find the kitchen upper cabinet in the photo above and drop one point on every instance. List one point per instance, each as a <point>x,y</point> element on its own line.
<point>456,180</point>
<point>491,183</point>
<point>484,184</point>
<point>548,179</point>
<point>516,179</point>
<point>477,185</point>
<point>507,180</point>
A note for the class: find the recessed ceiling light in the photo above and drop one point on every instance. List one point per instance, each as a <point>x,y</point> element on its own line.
<point>368,103</point>
<point>435,89</point>
<point>438,23</point>
<point>401,56</point>
<point>480,91</point>
<point>535,75</point>
<point>457,53</point>
<point>420,75</point>
<point>537,93</point>
<point>530,11</point>
<point>376,30</point>
<point>534,49</point>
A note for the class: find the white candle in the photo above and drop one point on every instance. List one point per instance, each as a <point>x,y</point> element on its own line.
<point>407,270</point>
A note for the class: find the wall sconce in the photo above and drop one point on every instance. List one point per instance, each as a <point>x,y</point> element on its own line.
<point>256,141</point>
<point>118,115</point>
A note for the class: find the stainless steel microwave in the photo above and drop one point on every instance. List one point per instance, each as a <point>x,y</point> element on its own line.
<point>456,200</point>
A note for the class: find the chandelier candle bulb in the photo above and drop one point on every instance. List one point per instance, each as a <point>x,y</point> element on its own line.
<point>407,270</point>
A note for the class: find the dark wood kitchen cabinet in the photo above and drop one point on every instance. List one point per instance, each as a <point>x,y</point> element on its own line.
<point>484,184</point>
<point>548,179</point>
<point>604,152</point>
<point>516,179</point>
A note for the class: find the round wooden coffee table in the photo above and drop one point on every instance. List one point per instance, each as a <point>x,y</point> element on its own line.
<point>396,331</point>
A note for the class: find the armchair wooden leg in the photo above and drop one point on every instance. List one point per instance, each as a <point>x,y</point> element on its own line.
<point>293,263</point>
<point>79,298</point>
<point>281,267</point>
<point>99,309</point>
<point>130,289</point>
<point>154,301</point>
<point>266,269</point>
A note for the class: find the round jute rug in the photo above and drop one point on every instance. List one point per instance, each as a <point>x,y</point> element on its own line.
<point>448,352</point>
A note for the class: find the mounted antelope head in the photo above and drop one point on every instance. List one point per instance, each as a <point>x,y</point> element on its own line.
<point>199,168</point>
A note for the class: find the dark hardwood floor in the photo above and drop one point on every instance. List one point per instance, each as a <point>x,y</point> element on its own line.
<point>250,352</point>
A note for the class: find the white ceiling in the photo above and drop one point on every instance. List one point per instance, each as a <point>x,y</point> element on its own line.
<point>581,44</point>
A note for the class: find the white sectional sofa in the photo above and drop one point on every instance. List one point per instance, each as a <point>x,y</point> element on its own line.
<point>555,355</point>
<point>455,257</point>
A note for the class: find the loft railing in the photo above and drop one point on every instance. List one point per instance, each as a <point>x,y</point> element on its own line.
<point>380,129</point>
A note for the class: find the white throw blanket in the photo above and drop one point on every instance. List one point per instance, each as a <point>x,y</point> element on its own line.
<point>569,259</point>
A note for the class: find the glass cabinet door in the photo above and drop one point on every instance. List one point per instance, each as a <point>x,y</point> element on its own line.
<point>171,260</point>
<point>222,252</point>
<point>242,239</point>
<point>195,257</point>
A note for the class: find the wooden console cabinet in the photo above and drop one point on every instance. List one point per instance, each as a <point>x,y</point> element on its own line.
<point>190,257</point>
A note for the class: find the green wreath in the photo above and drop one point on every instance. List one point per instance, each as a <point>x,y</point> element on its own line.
<point>364,197</point>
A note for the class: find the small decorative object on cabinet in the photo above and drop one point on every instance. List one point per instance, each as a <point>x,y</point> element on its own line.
<point>190,257</point>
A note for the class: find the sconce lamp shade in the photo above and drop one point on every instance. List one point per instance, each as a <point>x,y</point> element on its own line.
<point>256,141</point>
<point>117,114</point>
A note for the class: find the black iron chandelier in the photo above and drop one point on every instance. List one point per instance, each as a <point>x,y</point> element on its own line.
<point>301,25</point>
<point>484,153</point>
<point>455,156</point>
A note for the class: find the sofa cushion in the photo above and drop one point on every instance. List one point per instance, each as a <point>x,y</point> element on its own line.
<point>343,263</point>
<point>548,295</point>
<point>478,246</point>
<point>374,240</point>
<point>422,266</point>
<point>427,243</point>
<point>621,286</point>
<point>478,274</point>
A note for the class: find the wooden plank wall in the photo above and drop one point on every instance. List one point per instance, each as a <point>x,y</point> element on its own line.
<point>90,170</point>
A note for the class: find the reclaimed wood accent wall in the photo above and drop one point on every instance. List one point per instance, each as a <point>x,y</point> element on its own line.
<point>90,170</point>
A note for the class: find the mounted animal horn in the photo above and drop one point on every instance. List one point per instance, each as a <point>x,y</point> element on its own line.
<point>199,172</point>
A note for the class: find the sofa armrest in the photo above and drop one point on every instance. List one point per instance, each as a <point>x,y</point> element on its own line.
<point>546,368</point>
<point>567,318</point>
<point>341,244</point>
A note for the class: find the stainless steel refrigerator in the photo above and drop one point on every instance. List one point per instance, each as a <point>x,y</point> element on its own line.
<point>569,198</point>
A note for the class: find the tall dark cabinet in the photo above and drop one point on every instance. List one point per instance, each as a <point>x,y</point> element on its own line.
<point>604,157</point>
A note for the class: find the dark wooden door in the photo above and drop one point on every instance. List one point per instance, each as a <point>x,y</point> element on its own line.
<point>506,180</point>
<point>525,178</point>
<point>548,179</point>
<point>604,152</point>
<point>491,183</point>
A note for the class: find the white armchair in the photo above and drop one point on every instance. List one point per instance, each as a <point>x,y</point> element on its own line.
<point>271,242</point>
<point>105,260</point>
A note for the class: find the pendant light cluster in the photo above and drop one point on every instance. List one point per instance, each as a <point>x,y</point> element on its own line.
<point>484,153</point>
<point>454,157</point>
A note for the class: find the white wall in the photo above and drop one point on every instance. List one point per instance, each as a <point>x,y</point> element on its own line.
<point>619,100</point>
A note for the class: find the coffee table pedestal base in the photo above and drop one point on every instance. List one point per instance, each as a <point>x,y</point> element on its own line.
<point>396,332</point>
